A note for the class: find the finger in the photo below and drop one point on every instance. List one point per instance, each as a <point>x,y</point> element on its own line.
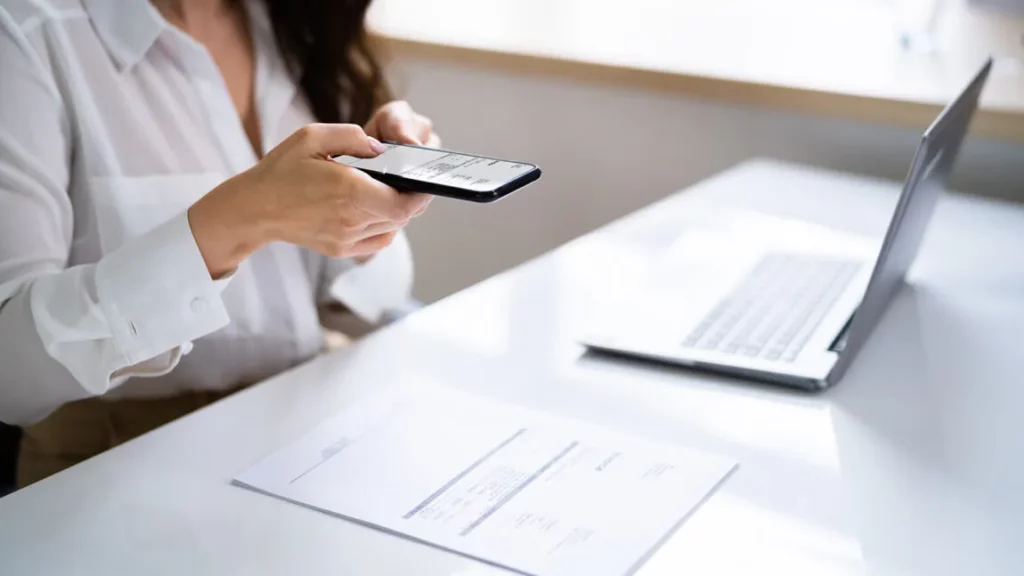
<point>401,124</point>
<point>328,140</point>
<point>381,200</point>
<point>373,244</point>
<point>421,200</point>
<point>378,228</point>
<point>402,131</point>
<point>434,141</point>
<point>410,128</point>
<point>404,135</point>
<point>426,205</point>
<point>343,245</point>
<point>426,128</point>
<point>375,229</point>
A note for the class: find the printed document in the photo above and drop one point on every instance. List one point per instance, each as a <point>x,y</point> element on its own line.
<point>518,488</point>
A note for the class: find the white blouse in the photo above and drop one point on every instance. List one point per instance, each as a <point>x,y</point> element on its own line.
<point>112,123</point>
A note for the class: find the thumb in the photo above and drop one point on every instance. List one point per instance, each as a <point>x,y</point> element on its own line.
<point>327,140</point>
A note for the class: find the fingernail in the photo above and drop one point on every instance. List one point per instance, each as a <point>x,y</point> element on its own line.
<point>376,146</point>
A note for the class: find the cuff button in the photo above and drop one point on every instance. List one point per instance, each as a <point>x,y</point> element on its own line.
<point>199,305</point>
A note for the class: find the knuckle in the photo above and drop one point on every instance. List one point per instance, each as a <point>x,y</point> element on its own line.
<point>405,212</point>
<point>346,218</point>
<point>308,133</point>
<point>416,206</point>
<point>348,221</point>
<point>336,248</point>
<point>338,180</point>
<point>350,130</point>
<point>380,241</point>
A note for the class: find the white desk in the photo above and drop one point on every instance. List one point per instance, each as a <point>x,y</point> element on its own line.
<point>911,466</point>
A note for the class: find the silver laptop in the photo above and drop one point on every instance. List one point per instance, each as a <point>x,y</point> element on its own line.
<point>795,305</point>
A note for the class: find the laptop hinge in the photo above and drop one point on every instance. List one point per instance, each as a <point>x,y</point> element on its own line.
<point>839,344</point>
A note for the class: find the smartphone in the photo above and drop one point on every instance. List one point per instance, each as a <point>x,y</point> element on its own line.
<point>445,173</point>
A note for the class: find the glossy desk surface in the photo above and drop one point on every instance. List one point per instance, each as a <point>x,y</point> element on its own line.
<point>912,465</point>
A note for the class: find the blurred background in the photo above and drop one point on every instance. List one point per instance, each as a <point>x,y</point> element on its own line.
<point>623,103</point>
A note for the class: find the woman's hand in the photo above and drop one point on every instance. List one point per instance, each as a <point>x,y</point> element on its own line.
<point>398,122</point>
<point>297,194</point>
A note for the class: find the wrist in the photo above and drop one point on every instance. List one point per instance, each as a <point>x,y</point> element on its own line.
<point>224,229</point>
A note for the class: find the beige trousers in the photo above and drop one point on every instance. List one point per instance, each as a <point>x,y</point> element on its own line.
<point>82,429</point>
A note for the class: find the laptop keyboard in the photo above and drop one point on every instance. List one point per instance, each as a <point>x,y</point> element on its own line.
<point>776,308</point>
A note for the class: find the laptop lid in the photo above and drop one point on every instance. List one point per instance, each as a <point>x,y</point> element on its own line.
<point>928,176</point>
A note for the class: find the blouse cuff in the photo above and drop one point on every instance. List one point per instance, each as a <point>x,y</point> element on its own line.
<point>157,294</point>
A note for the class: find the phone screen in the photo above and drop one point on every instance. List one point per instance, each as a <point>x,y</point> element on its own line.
<point>441,167</point>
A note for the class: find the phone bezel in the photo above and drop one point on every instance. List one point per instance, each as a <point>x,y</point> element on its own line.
<point>403,184</point>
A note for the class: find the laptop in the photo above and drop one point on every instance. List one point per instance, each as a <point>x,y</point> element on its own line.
<point>794,305</point>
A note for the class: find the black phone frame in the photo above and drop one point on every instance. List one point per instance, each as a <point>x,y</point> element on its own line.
<point>403,184</point>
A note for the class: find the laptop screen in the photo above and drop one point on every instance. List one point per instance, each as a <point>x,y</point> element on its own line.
<point>928,176</point>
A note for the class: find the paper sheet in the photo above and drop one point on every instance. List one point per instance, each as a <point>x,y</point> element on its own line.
<point>521,489</point>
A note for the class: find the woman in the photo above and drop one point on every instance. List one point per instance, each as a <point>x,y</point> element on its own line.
<point>170,221</point>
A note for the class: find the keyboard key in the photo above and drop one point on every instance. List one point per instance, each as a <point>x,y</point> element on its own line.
<point>750,350</point>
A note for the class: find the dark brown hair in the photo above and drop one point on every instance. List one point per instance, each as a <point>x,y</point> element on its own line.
<point>326,45</point>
